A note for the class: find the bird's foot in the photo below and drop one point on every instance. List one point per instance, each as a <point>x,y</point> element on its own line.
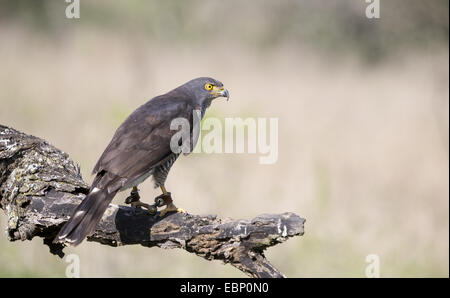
<point>166,199</point>
<point>151,208</point>
<point>171,208</point>
<point>134,200</point>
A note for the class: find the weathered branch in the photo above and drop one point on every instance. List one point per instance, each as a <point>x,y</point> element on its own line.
<point>40,186</point>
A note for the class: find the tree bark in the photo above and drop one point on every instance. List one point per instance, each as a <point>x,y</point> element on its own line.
<point>40,186</point>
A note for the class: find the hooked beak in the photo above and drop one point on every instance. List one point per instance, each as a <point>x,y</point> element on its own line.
<point>221,92</point>
<point>225,93</point>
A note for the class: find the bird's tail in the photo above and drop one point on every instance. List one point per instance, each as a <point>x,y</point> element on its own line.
<point>87,215</point>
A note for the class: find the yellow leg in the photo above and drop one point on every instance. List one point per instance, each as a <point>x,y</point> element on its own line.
<point>170,207</point>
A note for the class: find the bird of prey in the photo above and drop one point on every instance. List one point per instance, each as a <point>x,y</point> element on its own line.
<point>140,148</point>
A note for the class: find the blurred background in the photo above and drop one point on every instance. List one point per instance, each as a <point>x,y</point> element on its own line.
<point>363,109</point>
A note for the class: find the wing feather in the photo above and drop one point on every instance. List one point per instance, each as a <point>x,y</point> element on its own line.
<point>143,140</point>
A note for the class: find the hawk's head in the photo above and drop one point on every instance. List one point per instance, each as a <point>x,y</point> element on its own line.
<point>205,89</point>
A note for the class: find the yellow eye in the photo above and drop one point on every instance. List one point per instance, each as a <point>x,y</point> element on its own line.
<point>208,87</point>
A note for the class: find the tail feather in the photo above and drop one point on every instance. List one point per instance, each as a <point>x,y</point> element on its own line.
<point>87,215</point>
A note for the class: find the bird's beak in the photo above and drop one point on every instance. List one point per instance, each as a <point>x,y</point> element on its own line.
<point>225,93</point>
<point>221,92</point>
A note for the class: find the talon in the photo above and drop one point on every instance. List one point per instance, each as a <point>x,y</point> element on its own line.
<point>151,208</point>
<point>134,200</point>
<point>171,208</point>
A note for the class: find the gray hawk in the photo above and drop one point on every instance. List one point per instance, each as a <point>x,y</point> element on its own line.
<point>140,148</point>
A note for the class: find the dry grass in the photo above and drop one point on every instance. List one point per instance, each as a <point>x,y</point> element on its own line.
<point>363,151</point>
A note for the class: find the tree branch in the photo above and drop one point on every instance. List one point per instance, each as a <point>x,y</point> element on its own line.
<point>40,186</point>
